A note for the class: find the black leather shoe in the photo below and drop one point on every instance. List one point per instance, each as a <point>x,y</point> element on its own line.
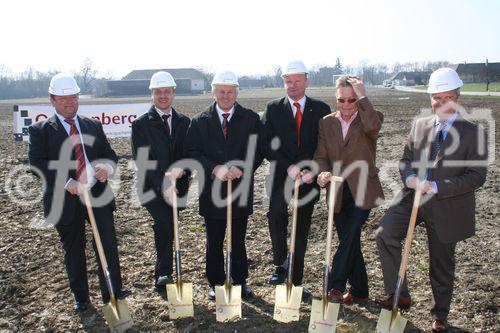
<point>246,292</point>
<point>164,280</point>
<point>306,295</point>
<point>81,306</point>
<point>211,293</point>
<point>278,276</point>
<point>122,294</point>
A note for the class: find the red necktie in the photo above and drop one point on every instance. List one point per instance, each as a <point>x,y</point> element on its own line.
<point>81,172</point>
<point>165,122</point>
<point>225,123</point>
<point>298,120</point>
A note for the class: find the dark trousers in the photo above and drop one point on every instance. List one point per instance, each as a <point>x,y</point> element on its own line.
<point>392,231</point>
<point>164,234</point>
<point>73,240</point>
<point>348,263</point>
<point>216,231</point>
<point>278,229</point>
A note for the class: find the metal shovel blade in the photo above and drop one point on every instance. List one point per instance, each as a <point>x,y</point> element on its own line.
<point>180,300</point>
<point>227,302</point>
<point>287,303</point>
<point>387,324</point>
<point>117,316</point>
<point>323,316</point>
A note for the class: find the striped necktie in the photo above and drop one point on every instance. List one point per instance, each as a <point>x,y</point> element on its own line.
<point>81,172</point>
<point>225,123</point>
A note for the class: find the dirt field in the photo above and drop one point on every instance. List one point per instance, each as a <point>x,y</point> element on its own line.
<point>34,292</point>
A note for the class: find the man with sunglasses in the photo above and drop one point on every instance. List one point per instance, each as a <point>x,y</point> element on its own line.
<point>291,136</point>
<point>346,147</point>
<point>445,157</point>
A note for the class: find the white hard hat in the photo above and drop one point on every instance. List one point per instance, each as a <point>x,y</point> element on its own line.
<point>443,79</point>
<point>162,80</point>
<point>225,78</point>
<point>63,84</point>
<point>294,67</point>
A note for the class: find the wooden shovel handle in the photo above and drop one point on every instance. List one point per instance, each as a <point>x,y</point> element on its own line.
<point>409,234</point>
<point>329,232</point>
<point>229,225</point>
<point>98,243</point>
<point>174,212</point>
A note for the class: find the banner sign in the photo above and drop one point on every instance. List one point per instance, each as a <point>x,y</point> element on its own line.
<point>116,119</point>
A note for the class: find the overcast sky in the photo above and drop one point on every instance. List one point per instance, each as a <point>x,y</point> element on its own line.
<point>244,36</point>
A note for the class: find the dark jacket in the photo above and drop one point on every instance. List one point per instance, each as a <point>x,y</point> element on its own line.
<point>149,131</point>
<point>46,140</point>
<point>279,122</point>
<point>206,143</point>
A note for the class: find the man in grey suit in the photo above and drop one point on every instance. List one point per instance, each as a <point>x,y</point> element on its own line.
<point>455,151</point>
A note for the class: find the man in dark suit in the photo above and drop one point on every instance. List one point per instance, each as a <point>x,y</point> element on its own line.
<point>290,134</point>
<point>160,132</point>
<point>445,157</point>
<point>224,140</point>
<point>347,145</point>
<point>64,138</point>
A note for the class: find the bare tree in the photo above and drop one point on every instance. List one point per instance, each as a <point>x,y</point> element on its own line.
<point>86,76</point>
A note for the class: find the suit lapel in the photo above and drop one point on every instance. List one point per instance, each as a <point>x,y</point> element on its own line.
<point>61,133</point>
<point>290,122</point>
<point>216,123</point>
<point>455,127</point>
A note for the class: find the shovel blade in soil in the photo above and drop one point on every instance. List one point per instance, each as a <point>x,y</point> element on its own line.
<point>180,300</point>
<point>323,317</point>
<point>117,316</point>
<point>287,303</point>
<point>386,324</point>
<point>227,302</point>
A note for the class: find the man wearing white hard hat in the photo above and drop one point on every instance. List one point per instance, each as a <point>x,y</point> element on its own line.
<point>445,158</point>
<point>161,132</point>
<point>220,138</point>
<point>291,136</point>
<point>46,146</point>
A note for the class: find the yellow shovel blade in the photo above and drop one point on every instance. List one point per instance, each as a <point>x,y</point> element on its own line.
<point>386,324</point>
<point>118,317</point>
<point>227,303</point>
<point>180,300</point>
<point>323,320</point>
<point>286,309</point>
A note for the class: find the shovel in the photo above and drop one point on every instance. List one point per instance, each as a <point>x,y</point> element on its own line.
<point>288,296</point>
<point>392,321</point>
<point>116,311</point>
<point>179,294</point>
<point>323,313</point>
<point>227,296</point>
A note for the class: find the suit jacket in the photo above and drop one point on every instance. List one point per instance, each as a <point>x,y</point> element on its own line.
<point>452,209</point>
<point>360,144</point>
<point>206,143</point>
<point>46,140</point>
<point>279,122</point>
<point>149,131</point>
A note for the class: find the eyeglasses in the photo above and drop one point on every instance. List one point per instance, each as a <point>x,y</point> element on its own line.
<point>349,100</point>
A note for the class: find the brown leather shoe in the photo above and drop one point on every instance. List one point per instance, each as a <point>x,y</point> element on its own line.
<point>404,302</point>
<point>438,325</point>
<point>335,296</point>
<point>350,299</point>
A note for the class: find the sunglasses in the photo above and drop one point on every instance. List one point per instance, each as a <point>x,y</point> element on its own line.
<point>349,100</point>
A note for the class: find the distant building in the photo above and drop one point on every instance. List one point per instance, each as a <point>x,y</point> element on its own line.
<point>246,82</point>
<point>410,78</point>
<point>136,83</point>
<point>478,72</point>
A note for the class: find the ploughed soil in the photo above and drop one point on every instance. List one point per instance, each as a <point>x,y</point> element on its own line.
<point>34,292</point>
